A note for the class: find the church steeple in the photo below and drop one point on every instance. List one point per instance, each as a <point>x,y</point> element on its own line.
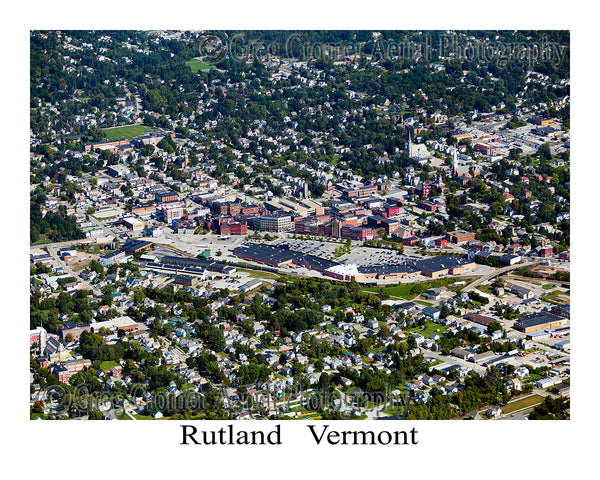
<point>455,161</point>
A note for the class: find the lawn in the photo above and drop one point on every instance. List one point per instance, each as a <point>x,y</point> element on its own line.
<point>126,131</point>
<point>399,291</point>
<point>423,302</point>
<point>430,327</point>
<point>548,286</point>
<point>403,290</point>
<point>107,365</point>
<point>522,403</point>
<point>122,416</point>
<point>259,274</point>
<point>198,65</point>
<point>143,417</point>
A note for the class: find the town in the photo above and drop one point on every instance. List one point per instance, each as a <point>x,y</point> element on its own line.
<point>280,238</point>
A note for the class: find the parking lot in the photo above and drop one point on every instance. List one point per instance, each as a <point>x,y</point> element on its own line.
<point>310,247</point>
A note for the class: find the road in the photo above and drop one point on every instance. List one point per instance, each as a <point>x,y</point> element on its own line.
<point>495,273</point>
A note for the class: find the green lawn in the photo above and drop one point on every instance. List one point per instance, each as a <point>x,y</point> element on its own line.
<point>107,365</point>
<point>423,302</point>
<point>198,65</point>
<point>548,286</point>
<point>522,403</point>
<point>126,131</point>
<point>430,327</point>
<point>403,290</point>
<point>122,416</point>
<point>259,274</point>
<point>143,417</point>
<point>399,291</point>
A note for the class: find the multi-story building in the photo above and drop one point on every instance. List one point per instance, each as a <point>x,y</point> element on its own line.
<point>166,196</point>
<point>169,212</point>
<point>234,228</point>
<point>112,258</point>
<point>276,223</point>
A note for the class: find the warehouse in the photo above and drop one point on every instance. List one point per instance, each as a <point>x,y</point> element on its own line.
<point>536,322</point>
<point>444,265</point>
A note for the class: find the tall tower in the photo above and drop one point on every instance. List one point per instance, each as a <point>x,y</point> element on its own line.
<point>409,145</point>
<point>42,339</point>
<point>455,162</point>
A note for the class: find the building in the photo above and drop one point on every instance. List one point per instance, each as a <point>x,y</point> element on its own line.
<point>133,224</point>
<point>251,285</point>
<point>234,228</point>
<point>562,310</point>
<point>124,323</point>
<point>276,223</point>
<point>65,369</point>
<point>135,246</point>
<point>169,212</point>
<point>441,265</point>
<point>117,170</point>
<point>521,292</point>
<point>72,331</point>
<point>36,334</point>
<point>539,120</point>
<point>112,258</point>
<point>536,322</point>
<point>432,312</point>
<point>480,319</point>
<point>460,236</point>
<point>166,196</point>
<point>186,280</point>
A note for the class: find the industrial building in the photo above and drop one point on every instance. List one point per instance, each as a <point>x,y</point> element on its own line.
<point>536,322</point>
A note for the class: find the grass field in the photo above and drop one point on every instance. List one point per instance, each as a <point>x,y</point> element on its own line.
<point>107,365</point>
<point>522,403</point>
<point>430,327</point>
<point>259,273</point>
<point>398,291</point>
<point>198,65</point>
<point>126,131</point>
<point>402,291</point>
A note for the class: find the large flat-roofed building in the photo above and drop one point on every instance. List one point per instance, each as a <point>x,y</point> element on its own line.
<point>444,265</point>
<point>480,319</point>
<point>133,224</point>
<point>460,236</point>
<point>117,170</point>
<point>166,196</point>
<point>119,323</point>
<point>536,322</point>
<point>539,120</point>
<point>135,246</point>
<point>186,280</point>
<point>359,192</point>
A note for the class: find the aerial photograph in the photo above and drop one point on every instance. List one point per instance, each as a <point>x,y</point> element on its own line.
<point>299,225</point>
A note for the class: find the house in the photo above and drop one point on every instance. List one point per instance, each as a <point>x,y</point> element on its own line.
<point>494,412</point>
<point>373,323</point>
